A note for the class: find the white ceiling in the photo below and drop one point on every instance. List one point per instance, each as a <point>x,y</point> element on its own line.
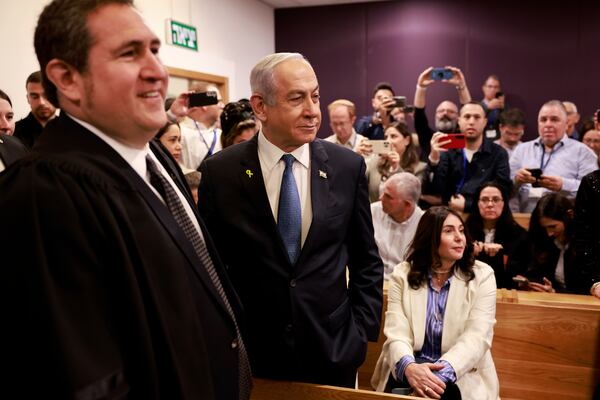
<point>307,3</point>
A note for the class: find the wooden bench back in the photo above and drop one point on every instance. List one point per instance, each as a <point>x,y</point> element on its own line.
<point>546,346</point>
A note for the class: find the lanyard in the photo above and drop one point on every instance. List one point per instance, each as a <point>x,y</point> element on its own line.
<point>461,183</point>
<point>556,146</point>
<point>214,139</point>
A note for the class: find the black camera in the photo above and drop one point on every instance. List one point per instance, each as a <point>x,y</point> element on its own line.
<point>202,99</point>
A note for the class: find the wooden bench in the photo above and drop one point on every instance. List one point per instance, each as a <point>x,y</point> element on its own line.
<point>546,346</point>
<point>281,390</point>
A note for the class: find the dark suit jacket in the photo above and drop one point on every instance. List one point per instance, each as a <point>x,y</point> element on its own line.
<point>113,300</point>
<point>303,321</point>
<point>11,149</point>
<point>586,232</point>
<point>515,247</point>
<point>28,130</point>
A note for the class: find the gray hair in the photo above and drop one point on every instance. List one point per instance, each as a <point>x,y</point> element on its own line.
<point>407,184</point>
<point>555,103</point>
<point>261,77</point>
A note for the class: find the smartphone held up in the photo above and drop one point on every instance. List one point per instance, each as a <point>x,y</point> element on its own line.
<point>457,141</point>
<point>200,99</point>
<point>441,74</point>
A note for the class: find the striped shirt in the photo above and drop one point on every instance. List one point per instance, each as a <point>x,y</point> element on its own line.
<point>432,346</point>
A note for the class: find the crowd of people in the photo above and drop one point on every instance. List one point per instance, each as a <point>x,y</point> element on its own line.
<point>167,249</point>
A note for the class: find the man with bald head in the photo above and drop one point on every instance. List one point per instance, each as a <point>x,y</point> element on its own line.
<point>573,118</point>
<point>446,113</point>
<point>552,162</point>
<point>296,211</point>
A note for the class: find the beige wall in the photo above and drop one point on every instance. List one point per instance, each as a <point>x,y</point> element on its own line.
<point>232,36</point>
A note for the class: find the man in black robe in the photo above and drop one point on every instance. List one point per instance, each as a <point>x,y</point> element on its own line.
<point>115,288</point>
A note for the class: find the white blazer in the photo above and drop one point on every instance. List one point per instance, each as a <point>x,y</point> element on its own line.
<point>467,333</point>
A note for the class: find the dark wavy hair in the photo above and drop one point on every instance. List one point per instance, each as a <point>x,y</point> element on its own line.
<point>505,222</point>
<point>424,249</point>
<point>236,117</point>
<point>555,206</point>
<point>166,127</point>
<point>5,97</point>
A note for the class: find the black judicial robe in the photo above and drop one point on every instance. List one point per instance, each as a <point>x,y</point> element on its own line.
<point>104,296</point>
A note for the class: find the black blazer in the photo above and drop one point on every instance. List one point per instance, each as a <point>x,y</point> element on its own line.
<point>11,149</point>
<point>304,322</point>
<point>515,247</point>
<point>116,303</point>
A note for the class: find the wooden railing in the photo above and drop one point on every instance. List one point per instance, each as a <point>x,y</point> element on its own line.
<point>281,390</point>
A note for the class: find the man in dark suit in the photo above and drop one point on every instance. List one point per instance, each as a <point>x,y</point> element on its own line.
<point>29,129</point>
<point>289,213</point>
<point>117,292</point>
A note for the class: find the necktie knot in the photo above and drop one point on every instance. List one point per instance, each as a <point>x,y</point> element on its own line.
<point>288,159</point>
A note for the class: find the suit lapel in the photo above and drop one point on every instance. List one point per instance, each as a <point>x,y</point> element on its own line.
<point>253,184</point>
<point>251,178</point>
<point>68,135</point>
<point>182,242</point>
<point>319,193</point>
<point>418,309</point>
<point>453,320</point>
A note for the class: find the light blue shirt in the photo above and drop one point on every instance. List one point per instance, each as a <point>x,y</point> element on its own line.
<point>569,159</point>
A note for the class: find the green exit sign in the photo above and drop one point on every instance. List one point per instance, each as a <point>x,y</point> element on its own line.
<point>182,35</point>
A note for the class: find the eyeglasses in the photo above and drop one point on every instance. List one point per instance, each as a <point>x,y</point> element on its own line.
<point>493,200</point>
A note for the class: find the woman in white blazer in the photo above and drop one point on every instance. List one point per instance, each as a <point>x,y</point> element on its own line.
<point>440,316</point>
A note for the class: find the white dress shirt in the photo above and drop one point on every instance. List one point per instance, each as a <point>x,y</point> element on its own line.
<point>136,158</point>
<point>352,142</point>
<point>393,238</point>
<point>559,272</point>
<point>196,141</point>
<point>272,168</point>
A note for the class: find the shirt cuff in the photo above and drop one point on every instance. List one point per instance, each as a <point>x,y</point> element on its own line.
<point>570,186</point>
<point>401,366</point>
<point>447,373</point>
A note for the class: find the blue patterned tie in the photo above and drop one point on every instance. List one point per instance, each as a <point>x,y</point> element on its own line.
<point>289,216</point>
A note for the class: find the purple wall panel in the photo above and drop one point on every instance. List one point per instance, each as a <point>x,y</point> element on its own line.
<point>336,47</point>
<point>541,51</point>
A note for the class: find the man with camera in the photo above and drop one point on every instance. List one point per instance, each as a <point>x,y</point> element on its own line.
<point>553,162</point>
<point>372,126</point>
<point>446,113</point>
<point>460,163</point>
<point>200,132</point>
